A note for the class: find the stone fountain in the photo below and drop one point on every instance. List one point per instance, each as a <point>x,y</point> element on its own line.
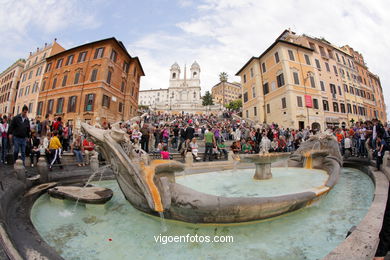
<point>150,186</point>
<point>263,163</point>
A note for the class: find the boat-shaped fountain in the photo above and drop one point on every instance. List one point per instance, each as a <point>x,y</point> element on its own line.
<point>151,187</point>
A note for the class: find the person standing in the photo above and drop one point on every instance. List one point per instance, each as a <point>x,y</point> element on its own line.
<point>4,139</point>
<point>45,126</point>
<point>209,140</point>
<point>19,130</point>
<point>55,149</point>
<point>145,138</point>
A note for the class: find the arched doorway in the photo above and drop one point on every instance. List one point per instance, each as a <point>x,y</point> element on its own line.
<point>316,126</point>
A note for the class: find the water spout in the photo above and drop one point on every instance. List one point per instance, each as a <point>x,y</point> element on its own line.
<point>308,162</point>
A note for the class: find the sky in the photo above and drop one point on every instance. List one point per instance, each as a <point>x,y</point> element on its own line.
<point>221,35</point>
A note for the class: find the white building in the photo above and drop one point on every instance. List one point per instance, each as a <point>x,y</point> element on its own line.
<point>182,95</point>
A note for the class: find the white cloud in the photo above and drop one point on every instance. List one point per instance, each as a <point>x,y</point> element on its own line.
<point>227,33</point>
<point>19,20</point>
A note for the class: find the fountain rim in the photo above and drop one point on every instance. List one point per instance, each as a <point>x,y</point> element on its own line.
<point>16,244</point>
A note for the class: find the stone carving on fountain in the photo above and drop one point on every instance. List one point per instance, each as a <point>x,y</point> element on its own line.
<point>150,185</point>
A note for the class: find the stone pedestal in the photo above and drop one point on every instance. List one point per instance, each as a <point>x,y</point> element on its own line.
<point>20,170</point>
<point>189,159</point>
<point>43,170</point>
<point>263,172</point>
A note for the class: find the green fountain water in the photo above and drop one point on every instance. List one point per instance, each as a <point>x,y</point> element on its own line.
<point>118,231</point>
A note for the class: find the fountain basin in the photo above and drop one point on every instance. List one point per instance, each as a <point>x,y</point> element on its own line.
<point>123,232</point>
<point>89,195</point>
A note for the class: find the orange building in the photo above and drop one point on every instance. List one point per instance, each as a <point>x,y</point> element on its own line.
<point>9,85</point>
<point>96,82</point>
<point>31,78</point>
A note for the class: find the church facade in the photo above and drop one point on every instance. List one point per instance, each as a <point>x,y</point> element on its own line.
<point>182,96</point>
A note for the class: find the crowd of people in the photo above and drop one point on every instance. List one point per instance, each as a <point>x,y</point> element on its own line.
<point>50,139</point>
<point>164,134</point>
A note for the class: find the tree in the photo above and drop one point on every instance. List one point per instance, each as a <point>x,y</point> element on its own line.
<point>207,99</point>
<point>234,105</point>
<point>223,77</point>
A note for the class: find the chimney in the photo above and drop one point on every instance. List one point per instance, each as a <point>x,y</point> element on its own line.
<point>30,53</point>
<point>37,49</point>
<point>45,44</point>
<point>55,39</point>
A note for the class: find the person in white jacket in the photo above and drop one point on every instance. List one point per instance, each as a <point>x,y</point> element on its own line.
<point>4,139</point>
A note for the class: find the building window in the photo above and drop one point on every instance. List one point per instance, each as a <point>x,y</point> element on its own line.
<point>296,78</point>
<point>72,104</point>
<point>113,56</point>
<point>339,88</point>
<point>343,60</point>
<point>315,103</point>
<point>253,91</point>
<point>318,65</point>
<point>280,80</point>
<point>251,73</point>
<point>325,104</point>
<point>335,70</point>
<point>65,78</point>
<point>312,82</point>
<point>322,84</point>
<point>43,85</point>
<point>99,53</point>
<point>342,108</point>
<point>38,71</point>
<point>39,108</point>
<point>255,111</point>
<point>337,57</point>
<point>76,78</point>
<point>354,109</point>
<point>265,88</point>
<point>276,57</point>
<point>263,67</point>
<point>30,74</point>
<point>106,101</point>
<point>69,61</point>
<point>307,58</point>
<point>335,107</point>
<point>123,86</point>
<point>268,109</point>
<point>284,105</point>
<point>327,66</point>
<point>24,77</point>
<point>59,63</point>
<point>345,88</point>
<point>244,78</point>
<point>332,89</point>
<point>245,97</point>
<point>291,55</point>
<point>50,106</point>
<point>109,77</point>
<point>94,75</point>
<point>27,92</point>
<point>349,107</point>
<point>120,107</point>
<point>299,101</point>
<point>330,53</point>
<point>82,56</point>
<point>351,90</point>
<point>312,46</point>
<point>89,102</point>
<point>60,105</point>
<point>54,83</point>
<point>126,67</point>
<point>322,51</point>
